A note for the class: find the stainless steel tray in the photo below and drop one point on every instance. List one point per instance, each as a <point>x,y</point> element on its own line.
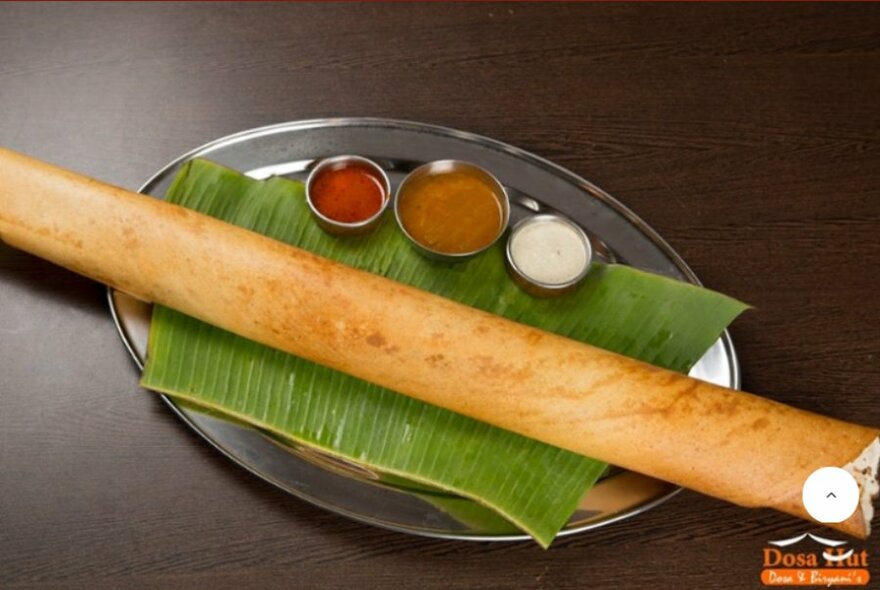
<point>535,184</point>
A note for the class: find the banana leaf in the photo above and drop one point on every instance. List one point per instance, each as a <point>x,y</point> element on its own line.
<point>533,485</point>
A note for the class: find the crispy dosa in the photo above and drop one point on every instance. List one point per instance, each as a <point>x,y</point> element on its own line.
<point>736,446</point>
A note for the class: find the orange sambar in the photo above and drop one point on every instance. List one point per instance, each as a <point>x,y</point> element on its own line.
<point>451,212</point>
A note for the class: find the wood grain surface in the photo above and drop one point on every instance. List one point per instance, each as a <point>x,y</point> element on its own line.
<point>747,135</point>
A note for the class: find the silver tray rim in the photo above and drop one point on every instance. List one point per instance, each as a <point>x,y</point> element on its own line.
<point>587,186</point>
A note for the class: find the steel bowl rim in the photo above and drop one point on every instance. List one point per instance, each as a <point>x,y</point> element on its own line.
<point>504,202</point>
<point>552,287</point>
<point>343,225</point>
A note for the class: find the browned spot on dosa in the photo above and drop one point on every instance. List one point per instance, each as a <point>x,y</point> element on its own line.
<point>435,359</point>
<point>534,336</point>
<point>376,339</point>
<point>760,423</point>
<point>679,404</point>
<point>727,407</point>
<point>131,238</point>
<point>490,367</point>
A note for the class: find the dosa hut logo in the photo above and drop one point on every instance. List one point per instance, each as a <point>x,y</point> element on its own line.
<point>831,564</point>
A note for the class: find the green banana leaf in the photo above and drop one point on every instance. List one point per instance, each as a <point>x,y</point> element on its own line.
<point>533,485</point>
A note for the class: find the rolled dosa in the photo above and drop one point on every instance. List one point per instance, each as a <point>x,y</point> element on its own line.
<point>735,446</point>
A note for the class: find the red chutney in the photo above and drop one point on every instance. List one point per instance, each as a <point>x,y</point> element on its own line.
<point>349,193</point>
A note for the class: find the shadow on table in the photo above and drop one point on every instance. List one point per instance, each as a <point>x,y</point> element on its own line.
<point>23,272</point>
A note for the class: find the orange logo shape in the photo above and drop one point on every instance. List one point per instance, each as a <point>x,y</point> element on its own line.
<point>832,564</point>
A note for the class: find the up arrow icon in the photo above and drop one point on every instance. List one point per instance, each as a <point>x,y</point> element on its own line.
<point>830,494</point>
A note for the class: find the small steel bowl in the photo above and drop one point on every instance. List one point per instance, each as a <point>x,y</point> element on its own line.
<point>439,167</point>
<point>533,286</point>
<point>340,227</point>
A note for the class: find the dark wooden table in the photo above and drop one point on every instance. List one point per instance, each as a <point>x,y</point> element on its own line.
<point>747,135</point>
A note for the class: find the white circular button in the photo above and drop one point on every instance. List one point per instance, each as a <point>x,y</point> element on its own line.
<point>830,494</point>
